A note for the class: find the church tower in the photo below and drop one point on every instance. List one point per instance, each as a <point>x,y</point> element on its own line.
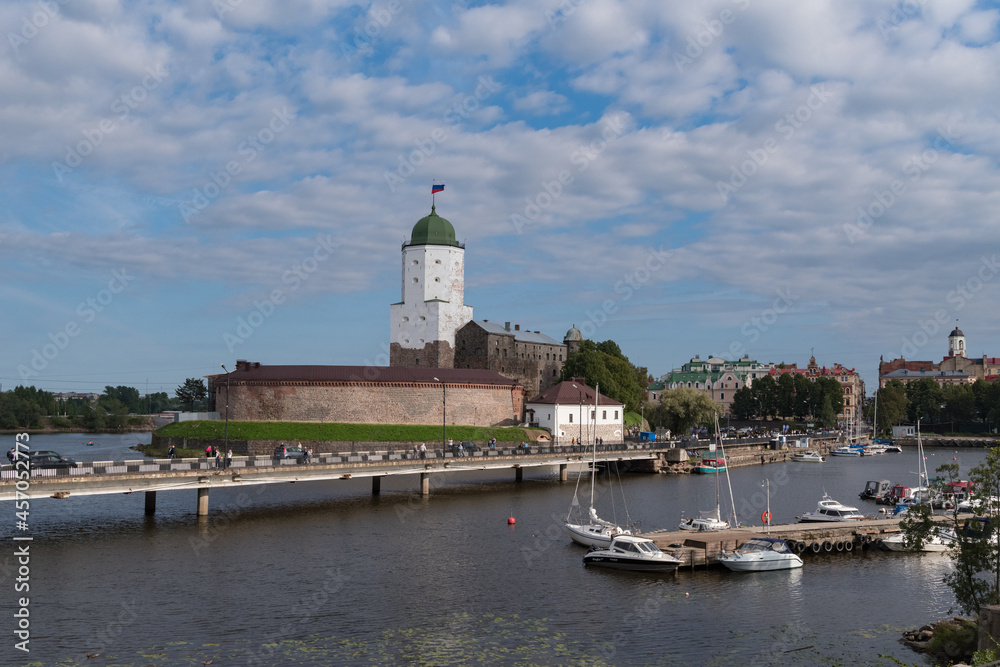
<point>956,343</point>
<point>423,324</point>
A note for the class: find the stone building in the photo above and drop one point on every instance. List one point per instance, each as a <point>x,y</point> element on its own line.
<point>850,381</point>
<point>572,411</point>
<point>422,325</point>
<point>956,368</point>
<point>368,395</point>
<point>719,378</point>
<point>530,357</point>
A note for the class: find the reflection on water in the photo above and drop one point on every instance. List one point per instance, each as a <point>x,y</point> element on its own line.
<point>322,573</point>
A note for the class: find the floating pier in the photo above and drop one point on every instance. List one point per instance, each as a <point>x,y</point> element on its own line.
<point>703,548</point>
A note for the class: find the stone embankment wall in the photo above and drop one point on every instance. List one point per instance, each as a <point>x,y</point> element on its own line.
<point>738,456</point>
<point>367,403</point>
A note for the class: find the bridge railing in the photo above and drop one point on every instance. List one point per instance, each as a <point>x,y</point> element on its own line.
<point>8,472</point>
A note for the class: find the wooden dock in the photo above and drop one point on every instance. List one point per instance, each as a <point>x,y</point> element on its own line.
<point>703,548</point>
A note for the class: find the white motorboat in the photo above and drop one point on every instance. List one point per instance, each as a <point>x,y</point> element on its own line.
<point>809,457</point>
<point>596,532</point>
<point>761,554</point>
<point>829,509</point>
<point>845,450</point>
<point>628,552</point>
<point>940,539</point>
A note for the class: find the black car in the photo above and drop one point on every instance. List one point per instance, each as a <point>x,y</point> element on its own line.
<point>289,452</point>
<point>46,459</point>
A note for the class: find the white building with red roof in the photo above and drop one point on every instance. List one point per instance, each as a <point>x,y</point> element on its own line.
<point>574,412</point>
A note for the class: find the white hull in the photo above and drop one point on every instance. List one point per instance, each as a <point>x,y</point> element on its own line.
<point>761,554</point>
<point>703,524</point>
<point>632,553</point>
<point>591,535</point>
<point>811,457</point>
<point>932,544</point>
<point>747,564</point>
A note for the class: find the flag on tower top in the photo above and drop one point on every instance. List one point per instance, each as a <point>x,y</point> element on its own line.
<point>437,187</point>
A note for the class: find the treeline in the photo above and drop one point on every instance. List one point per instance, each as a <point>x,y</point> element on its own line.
<point>790,397</point>
<point>27,407</point>
<point>929,402</point>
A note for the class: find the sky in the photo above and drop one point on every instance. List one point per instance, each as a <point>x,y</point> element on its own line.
<point>187,183</point>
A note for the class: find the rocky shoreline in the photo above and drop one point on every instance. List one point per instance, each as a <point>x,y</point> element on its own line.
<point>951,640</point>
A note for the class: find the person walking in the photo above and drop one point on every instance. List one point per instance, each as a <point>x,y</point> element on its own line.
<point>218,458</point>
<point>423,451</point>
<point>229,458</point>
<point>172,452</point>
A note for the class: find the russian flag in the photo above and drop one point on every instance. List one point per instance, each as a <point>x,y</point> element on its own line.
<point>437,187</point>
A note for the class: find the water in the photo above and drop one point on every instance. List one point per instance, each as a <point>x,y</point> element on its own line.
<point>323,573</point>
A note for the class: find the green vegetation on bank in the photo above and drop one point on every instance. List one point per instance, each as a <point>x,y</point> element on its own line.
<point>316,432</point>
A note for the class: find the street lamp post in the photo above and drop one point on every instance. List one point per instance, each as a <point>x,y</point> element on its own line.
<point>444,408</point>
<point>227,409</point>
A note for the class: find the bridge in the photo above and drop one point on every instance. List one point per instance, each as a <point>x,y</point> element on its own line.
<point>201,474</point>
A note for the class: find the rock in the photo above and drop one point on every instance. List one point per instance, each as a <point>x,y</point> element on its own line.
<point>924,635</point>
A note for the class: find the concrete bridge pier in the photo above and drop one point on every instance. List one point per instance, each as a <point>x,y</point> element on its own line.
<point>150,503</point>
<point>203,502</point>
<point>563,476</point>
<point>425,484</point>
<point>376,485</point>
<point>518,473</point>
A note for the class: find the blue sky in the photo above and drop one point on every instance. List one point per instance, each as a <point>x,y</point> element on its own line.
<point>722,177</point>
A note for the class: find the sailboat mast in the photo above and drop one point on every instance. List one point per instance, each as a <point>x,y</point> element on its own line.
<point>593,463</point>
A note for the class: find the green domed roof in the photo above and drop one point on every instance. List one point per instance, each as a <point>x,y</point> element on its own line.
<point>433,230</point>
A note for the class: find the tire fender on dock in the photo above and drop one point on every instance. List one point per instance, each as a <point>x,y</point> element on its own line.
<point>839,545</point>
<point>828,546</point>
<point>848,545</point>
<point>816,547</point>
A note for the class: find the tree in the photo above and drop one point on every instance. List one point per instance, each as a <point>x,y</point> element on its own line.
<point>785,395</point>
<point>604,364</point>
<point>744,406</point>
<point>892,405</point>
<point>975,578</point>
<point>191,392</point>
<point>924,399</point>
<point>959,403</point>
<point>126,396</point>
<point>766,392</point>
<point>680,409</point>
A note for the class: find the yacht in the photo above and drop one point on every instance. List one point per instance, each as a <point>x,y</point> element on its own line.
<point>829,509</point>
<point>628,552</point>
<point>710,466</point>
<point>808,457</point>
<point>761,554</point>
<point>845,450</point>
<point>940,539</point>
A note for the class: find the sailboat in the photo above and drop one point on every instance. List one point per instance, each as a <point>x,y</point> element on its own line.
<point>712,519</point>
<point>596,532</point>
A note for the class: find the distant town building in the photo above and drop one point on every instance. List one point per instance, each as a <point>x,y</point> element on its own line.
<point>719,378</point>
<point>573,412</point>
<point>955,368</point>
<point>850,381</point>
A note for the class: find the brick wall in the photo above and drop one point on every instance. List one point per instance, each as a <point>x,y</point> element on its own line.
<point>376,403</point>
<point>436,354</point>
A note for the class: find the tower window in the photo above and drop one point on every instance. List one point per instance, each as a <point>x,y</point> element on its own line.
<point>415,281</point>
<point>416,263</point>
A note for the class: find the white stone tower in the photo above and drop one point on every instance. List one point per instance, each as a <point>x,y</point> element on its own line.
<point>956,343</point>
<point>423,324</point>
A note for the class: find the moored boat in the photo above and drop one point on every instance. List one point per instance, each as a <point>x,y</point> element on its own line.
<point>808,457</point>
<point>940,539</point>
<point>628,552</point>
<point>710,466</point>
<point>829,509</point>
<point>761,554</point>
<point>845,450</point>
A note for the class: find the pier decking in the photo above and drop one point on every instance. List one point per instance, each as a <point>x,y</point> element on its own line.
<point>703,548</point>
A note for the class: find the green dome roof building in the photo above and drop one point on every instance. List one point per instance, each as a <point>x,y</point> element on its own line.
<point>424,322</point>
<point>433,230</point>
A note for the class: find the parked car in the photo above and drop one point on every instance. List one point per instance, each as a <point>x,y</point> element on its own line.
<point>289,452</point>
<point>49,459</point>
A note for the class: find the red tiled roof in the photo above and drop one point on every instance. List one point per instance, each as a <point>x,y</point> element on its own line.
<point>565,393</point>
<point>255,372</point>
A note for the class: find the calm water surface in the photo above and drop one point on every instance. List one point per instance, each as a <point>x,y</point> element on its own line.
<point>324,574</point>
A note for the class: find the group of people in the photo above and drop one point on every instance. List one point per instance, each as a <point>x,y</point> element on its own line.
<point>221,461</point>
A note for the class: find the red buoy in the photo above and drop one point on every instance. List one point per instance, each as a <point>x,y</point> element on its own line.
<point>510,521</point>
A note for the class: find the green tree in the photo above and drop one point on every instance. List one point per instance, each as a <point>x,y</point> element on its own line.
<point>959,403</point>
<point>924,400</point>
<point>193,390</point>
<point>125,396</point>
<point>745,404</point>
<point>892,405</point>
<point>680,409</point>
<point>827,416</point>
<point>975,577</point>
<point>785,395</point>
<point>604,364</point>
<point>766,392</point>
